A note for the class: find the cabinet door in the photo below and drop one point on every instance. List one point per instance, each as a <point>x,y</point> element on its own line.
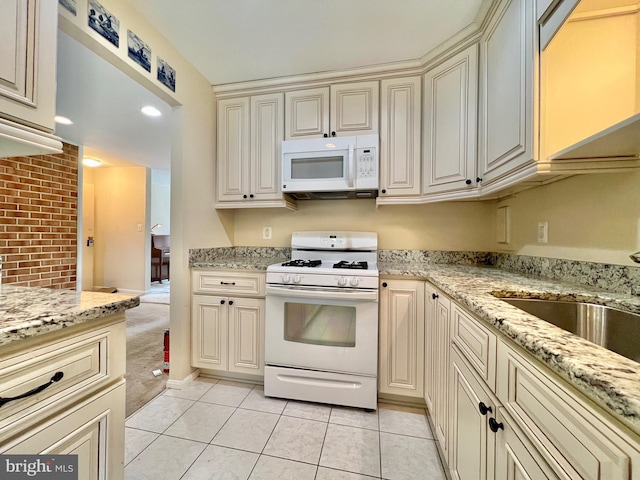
<point>307,113</point>
<point>209,323</point>
<point>472,443</point>
<point>450,111</point>
<point>233,149</point>
<point>400,137</point>
<point>441,370</point>
<point>354,108</point>
<point>92,429</point>
<point>28,33</point>
<point>267,133</point>
<point>573,439</point>
<point>516,457</point>
<point>246,335</point>
<point>402,338</point>
<point>506,85</point>
<point>431,295</point>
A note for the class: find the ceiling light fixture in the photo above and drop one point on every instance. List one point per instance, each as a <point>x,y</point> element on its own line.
<point>62,120</point>
<point>150,111</point>
<point>91,162</point>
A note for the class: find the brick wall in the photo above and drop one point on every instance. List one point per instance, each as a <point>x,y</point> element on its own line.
<point>39,218</point>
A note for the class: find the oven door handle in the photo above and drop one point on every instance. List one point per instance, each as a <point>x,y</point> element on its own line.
<point>327,293</point>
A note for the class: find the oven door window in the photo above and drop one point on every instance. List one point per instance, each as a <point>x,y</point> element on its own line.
<point>328,325</point>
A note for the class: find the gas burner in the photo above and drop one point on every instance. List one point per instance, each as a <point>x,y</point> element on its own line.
<point>351,265</point>
<point>302,263</point>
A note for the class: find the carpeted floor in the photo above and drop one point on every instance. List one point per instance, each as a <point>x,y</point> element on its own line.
<point>145,346</point>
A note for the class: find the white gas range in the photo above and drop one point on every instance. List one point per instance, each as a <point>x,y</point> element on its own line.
<point>321,332</point>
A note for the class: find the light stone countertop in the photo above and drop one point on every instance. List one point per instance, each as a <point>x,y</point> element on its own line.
<point>609,379</point>
<point>26,312</point>
<point>238,263</point>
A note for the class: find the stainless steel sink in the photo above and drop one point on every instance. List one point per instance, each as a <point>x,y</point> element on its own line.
<point>616,330</point>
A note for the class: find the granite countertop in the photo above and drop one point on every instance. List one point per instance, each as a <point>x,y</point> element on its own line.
<point>609,379</point>
<point>238,263</point>
<point>26,312</point>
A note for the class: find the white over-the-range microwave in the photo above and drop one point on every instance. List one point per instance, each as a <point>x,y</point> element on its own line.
<point>334,167</point>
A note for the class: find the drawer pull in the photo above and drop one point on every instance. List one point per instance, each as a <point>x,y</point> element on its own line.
<point>484,409</point>
<point>56,378</point>
<point>494,425</point>
<point>227,283</point>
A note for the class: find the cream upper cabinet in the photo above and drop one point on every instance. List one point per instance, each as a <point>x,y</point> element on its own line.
<point>250,133</point>
<point>506,121</point>
<point>450,125</point>
<point>401,355</point>
<point>338,110</point>
<point>28,35</point>
<point>400,132</point>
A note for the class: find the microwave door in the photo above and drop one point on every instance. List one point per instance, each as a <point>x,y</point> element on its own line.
<point>316,171</point>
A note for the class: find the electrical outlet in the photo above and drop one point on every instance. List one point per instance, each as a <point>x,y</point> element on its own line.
<point>266,233</point>
<point>139,227</point>
<point>543,232</point>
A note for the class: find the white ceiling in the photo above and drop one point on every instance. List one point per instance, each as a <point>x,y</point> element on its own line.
<point>241,40</point>
<point>237,40</point>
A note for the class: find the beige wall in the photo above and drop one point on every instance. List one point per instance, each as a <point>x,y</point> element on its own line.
<point>591,218</point>
<point>194,222</point>
<point>437,226</point>
<point>120,207</point>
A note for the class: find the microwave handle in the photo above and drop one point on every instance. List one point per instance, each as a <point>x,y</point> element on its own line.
<point>352,166</point>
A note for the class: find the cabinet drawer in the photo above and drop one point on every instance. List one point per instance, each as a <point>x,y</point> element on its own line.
<point>228,283</point>
<point>93,430</point>
<point>576,442</point>
<point>87,362</point>
<point>477,343</point>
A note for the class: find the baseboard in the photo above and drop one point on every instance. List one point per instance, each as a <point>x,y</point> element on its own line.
<point>180,384</point>
<point>127,291</point>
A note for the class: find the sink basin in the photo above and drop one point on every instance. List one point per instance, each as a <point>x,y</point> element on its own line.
<point>613,329</point>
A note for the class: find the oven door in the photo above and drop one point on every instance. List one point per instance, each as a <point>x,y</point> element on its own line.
<point>322,328</point>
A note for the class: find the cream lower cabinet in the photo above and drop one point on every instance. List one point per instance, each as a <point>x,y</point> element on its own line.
<point>227,332</point>
<point>437,342</point>
<point>401,357</point>
<point>510,417</point>
<point>566,430</point>
<point>81,413</point>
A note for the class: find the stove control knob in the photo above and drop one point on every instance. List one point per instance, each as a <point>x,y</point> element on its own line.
<point>286,278</point>
<point>342,281</point>
<point>354,281</point>
<point>297,279</point>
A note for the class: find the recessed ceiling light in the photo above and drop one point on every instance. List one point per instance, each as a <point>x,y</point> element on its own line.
<point>63,120</point>
<point>91,162</point>
<point>151,111</point>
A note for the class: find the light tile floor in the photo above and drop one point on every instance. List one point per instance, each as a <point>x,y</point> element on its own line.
<point>227,430</point>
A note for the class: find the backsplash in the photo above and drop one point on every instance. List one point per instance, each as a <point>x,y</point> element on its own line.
<point>613,278</point>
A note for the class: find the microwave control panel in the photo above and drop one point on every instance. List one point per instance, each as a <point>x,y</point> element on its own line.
<point>366,164</point>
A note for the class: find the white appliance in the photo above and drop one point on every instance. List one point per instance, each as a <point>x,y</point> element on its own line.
<point>334,167</point>
<point>321,327</point>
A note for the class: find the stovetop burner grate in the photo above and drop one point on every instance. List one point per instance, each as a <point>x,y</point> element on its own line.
<point>302,263</point>
<point>351,265</point>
